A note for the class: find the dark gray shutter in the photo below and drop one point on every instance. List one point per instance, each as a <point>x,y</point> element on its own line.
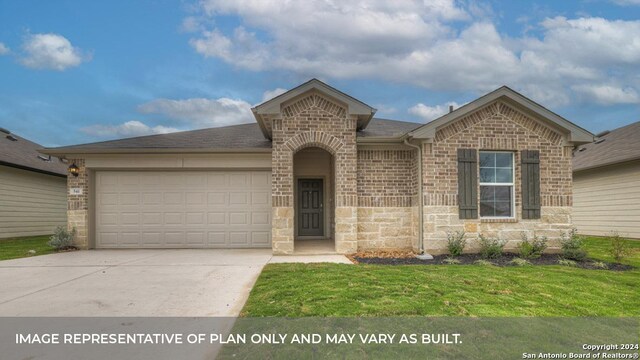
<point>468,183</point>
<point>530,184</point>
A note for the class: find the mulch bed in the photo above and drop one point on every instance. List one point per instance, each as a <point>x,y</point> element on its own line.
<point>67,249</point>
<point>408,258</point>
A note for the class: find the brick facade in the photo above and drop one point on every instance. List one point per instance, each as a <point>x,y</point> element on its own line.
<point>387,199</point>
<point>497,126</point>
<point>78,205</point>
<point>314,121</point>
<point>374,189</point>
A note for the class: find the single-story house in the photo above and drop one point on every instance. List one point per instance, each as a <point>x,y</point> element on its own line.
<point>317,167</point>
<point>606,183</point>
<point>33,188</point>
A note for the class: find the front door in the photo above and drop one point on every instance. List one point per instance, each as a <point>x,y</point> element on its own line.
<point>310,207</point>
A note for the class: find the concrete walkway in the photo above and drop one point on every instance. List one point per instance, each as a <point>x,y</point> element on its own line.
<point>195,282</point>
<point>308,259</point>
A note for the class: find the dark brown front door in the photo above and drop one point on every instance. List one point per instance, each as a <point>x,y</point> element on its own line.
<point>310,207</point>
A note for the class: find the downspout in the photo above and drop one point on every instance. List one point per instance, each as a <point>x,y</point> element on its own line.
<point>421,254</point>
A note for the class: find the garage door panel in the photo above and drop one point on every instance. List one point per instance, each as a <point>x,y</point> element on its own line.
<point>152,198</point>
<point>196,198</point>
<point>238,218</point>
<point>261,238</point>
<point>260,218</point>
<point>196,209</point>
<point>127,218</point>
<point>150,239</point>
<point>218,181</point>
<point>131,239</point>
<point>238,238</point>
<point>196,238</point>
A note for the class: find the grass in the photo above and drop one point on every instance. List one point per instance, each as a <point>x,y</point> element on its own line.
<point>19,247</point>
<point>300,290</point>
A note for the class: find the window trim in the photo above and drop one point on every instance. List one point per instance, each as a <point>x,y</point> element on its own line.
<point>512,184</point>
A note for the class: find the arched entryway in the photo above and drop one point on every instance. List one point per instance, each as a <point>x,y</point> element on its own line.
<point>314,200</point>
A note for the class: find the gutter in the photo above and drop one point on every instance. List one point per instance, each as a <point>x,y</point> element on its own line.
<point>28,168</point>
<point>83,151</point>
<point>422,255</point>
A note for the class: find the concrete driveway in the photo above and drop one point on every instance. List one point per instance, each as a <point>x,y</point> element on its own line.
<point>130,283</point>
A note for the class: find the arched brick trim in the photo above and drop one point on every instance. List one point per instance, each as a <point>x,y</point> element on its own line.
<point>314,101</point>
<point>319,139</point>
<point>505,111</point>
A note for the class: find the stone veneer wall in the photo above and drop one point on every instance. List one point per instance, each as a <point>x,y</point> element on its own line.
<point>314,121</point>
<point>497,126</point>
<point>78,205</point>
<point>387,206</point>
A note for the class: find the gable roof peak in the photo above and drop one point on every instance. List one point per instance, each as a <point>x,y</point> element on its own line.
<point>271,107</point>
<point>575,133</point>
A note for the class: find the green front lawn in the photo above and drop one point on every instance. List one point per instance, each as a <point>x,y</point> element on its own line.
<point>449,290</point>
<point>19,247</point>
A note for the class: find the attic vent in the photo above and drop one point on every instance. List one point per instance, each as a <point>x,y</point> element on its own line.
<point>12,138</point>
<point>601,134</point>
<point>44,158</point>
<point>3,130</point>
<point>598,141</point>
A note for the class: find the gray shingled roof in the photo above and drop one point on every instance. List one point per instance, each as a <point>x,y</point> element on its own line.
<point>620,145</point>
<point>23,154</point>
<point>236,137</point>
<point>229,137</point>
<point>387,128</point>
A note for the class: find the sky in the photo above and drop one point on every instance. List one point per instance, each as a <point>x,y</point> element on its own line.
<point>83,71</point>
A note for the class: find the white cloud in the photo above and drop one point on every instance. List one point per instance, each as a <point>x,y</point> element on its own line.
<point>429,113</point>
<point>270,94</point>
<point>607,94</point>
<point>199,112</point>
<point>127,129</point>
<point>4,50</point>
<point>423,43</point>
<point>50,51</point>
<point>190,24</point>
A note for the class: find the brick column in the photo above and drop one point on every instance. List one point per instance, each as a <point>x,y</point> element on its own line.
<point>78,205</point>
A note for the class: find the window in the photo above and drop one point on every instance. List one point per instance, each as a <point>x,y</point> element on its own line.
<point>496,184</point>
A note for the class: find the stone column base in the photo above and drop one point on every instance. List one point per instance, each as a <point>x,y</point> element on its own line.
<point>282,230</point>
<point>346,230</point>
<point>78,219</point>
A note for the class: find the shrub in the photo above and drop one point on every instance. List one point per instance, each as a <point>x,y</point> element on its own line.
<point>519,262</point>
<point>532,249</point>
<point>572,246</point>
<point>451,261</point>
<point>456,243</point>
<point>620,248</point>
<point>62,238</point>
<point>567,262</point>
<point>599,265</point>
<point>483,262</point>
<point>490,248</point>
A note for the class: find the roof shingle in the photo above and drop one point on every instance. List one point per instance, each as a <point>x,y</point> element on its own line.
<point>620,145</point>
<point>236,137</point>
<point>23,153</point>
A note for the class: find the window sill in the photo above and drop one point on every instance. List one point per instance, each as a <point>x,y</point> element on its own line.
<point>498,220</point>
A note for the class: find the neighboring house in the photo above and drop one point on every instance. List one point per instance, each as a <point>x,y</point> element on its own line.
<point>33,188</point>
<point>318,165</point>
<point>606,183</point>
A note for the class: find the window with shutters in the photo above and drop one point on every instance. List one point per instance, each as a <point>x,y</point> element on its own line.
<point>497,184</point>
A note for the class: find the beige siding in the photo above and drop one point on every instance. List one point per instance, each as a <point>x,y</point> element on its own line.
<point>31,203</point>
<point>608,199</point>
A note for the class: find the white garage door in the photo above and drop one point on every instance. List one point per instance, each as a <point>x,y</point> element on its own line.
<point>193,209</point>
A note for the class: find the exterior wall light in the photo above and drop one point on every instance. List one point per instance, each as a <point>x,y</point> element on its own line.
<point>74,170</point>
